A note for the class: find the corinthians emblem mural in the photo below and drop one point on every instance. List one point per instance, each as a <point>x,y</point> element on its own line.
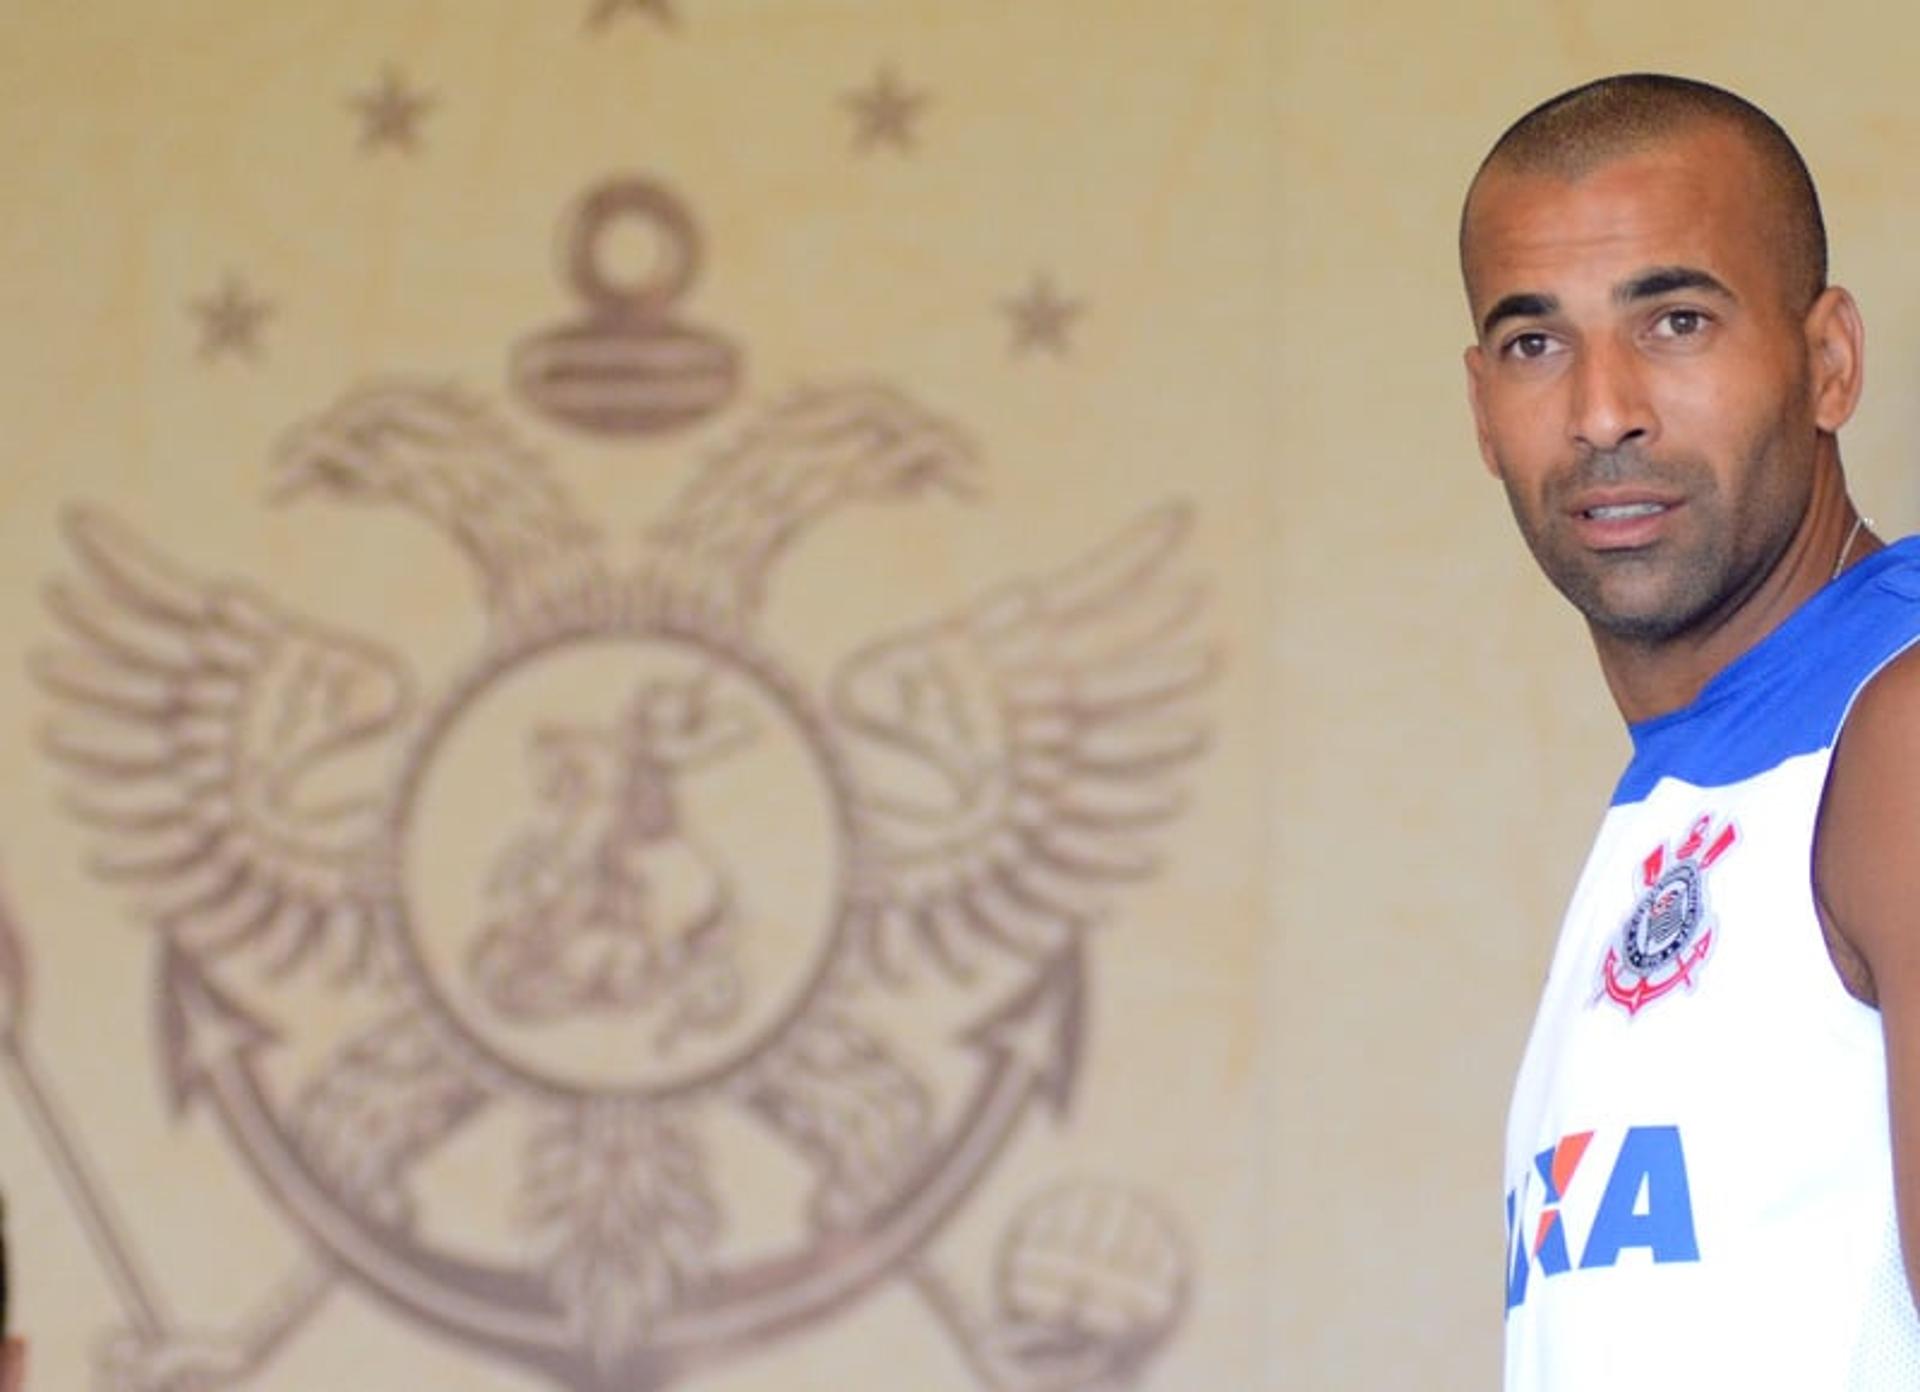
<point>727,990</point>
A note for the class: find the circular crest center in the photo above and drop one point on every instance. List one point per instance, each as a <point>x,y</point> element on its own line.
<point>619,866</point>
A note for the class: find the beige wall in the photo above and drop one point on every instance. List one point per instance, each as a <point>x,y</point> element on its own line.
<point>1295,1061</point>
<point>1446,745</point>
<point>651,1208</point>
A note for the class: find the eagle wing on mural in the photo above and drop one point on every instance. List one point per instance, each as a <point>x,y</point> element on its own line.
<point>387,1097</point>
<point>1013,762</point>
<point>819,450</point>
<point>443,456</point>
<point>841,1096</point>
<point>228,751</point>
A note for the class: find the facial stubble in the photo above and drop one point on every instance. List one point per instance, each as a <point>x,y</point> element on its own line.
<point>1678,584</point>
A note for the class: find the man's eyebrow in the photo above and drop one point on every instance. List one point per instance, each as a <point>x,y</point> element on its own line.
<point>1522,306</point>
<point>1664,280</point>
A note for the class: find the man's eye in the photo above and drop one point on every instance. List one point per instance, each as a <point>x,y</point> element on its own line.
<point>1680,323</point>
<point>1528,345</point>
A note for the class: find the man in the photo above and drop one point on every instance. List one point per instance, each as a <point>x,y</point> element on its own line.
<point>1718,1116</point>
<point>13,1353</point>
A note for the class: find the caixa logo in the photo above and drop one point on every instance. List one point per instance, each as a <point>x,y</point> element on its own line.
<point>1645,1203</point>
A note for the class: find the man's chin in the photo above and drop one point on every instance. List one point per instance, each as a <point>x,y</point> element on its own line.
<point>1634,615</point>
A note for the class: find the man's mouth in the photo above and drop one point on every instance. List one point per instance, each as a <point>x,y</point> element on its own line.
<point>1623,524</point>
<point>1619,512</point>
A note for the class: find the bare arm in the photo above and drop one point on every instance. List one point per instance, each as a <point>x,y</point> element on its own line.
<point>1866,871</point>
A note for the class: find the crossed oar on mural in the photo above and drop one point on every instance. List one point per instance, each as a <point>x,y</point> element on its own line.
<point>194,1363</point>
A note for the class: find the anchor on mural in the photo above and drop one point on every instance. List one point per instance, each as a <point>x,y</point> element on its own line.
<point>1090,1278</point>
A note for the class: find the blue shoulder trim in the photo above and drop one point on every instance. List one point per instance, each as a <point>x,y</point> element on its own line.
<point>1786,695</point>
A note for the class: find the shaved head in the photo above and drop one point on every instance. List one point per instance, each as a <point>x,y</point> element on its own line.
<point>1569,136</point>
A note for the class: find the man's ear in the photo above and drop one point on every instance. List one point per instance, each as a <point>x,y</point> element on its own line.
<point>1836,356</point>
<point>1476,361</point>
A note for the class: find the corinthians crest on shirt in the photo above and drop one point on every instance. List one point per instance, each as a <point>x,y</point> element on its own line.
<point>1666,940</point>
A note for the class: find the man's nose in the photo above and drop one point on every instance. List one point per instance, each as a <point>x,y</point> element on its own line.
<point>1610,407</point>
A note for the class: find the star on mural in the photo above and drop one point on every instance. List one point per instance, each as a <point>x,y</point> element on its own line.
<point>390,114</point>
<point>1043,318</point>
<point>606,11</point>
<point>884,113</point>
<point>231,319</point>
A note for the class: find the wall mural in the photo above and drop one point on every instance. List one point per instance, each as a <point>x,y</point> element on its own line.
<point>623,908</point>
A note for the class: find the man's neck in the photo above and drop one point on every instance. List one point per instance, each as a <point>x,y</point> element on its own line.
<point>1654,679</point>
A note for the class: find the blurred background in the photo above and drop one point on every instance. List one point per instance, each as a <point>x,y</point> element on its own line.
<point>635,646</point>
<point>782,696</point>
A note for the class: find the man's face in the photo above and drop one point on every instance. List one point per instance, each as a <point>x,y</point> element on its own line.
<point>1641,383</point>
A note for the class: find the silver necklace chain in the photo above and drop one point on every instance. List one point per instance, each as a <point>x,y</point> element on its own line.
<point>1846,547</point>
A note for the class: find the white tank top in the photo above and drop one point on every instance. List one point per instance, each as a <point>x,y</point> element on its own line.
<point>1699,1183</point>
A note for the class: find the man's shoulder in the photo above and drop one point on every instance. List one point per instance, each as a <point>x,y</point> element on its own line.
<point>1855,630</point>
<point>1791,694</point>
<point>1866,868</point>
<point>1889,701</point>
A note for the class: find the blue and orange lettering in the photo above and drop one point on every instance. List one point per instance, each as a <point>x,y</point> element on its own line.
<point>1519,1260</point>
<point>1647,1202</point>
